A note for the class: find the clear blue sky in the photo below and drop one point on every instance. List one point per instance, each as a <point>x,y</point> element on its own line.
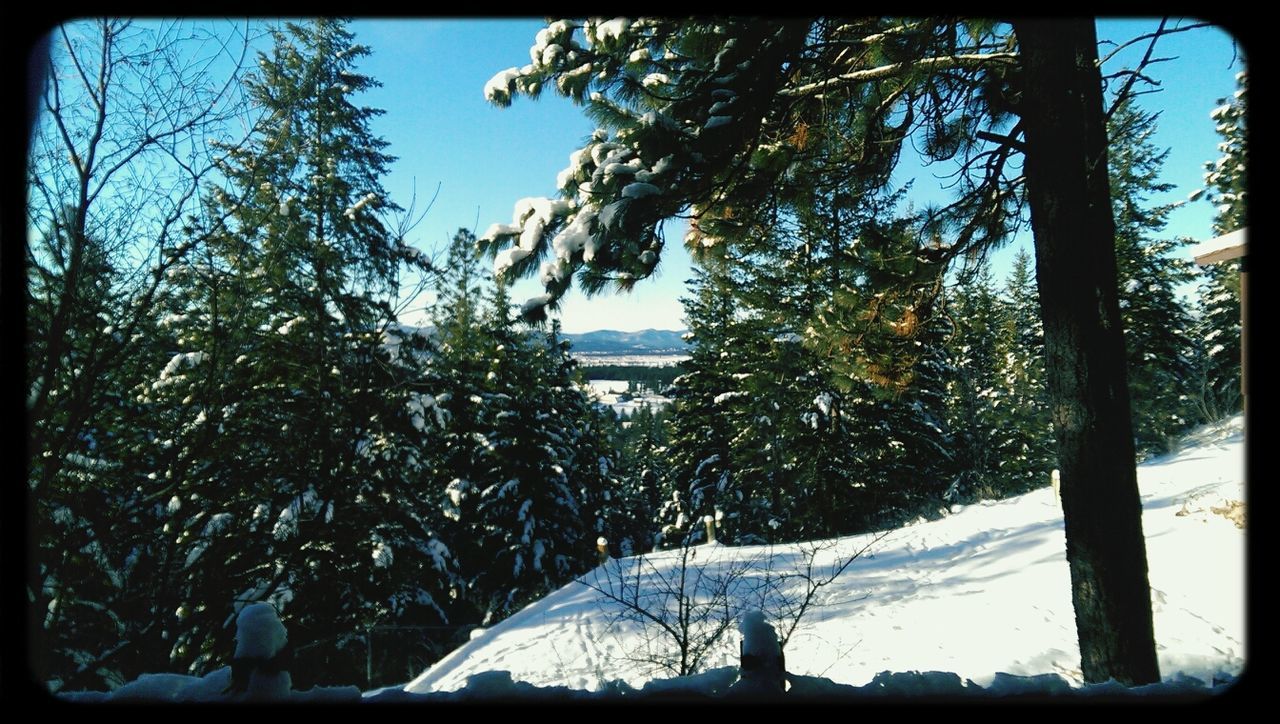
<point>485,158</point>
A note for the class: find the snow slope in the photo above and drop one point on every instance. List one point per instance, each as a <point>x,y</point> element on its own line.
<point>981,592</point>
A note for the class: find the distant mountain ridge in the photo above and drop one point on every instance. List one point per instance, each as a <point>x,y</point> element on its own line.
<point>646,341</point>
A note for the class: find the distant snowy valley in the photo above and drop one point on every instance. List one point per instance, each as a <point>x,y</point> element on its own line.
<point>614,395</point>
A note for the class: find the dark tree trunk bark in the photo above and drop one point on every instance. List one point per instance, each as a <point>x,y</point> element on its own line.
<point>1070,201</point>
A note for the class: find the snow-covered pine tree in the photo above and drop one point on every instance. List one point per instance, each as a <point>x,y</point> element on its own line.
<point>1227,178</point>
<point>976,402</point>
<point>628,510</point>
<point>294,407</point>
<point>699,451</point>
<point>581,445</point>
<point>787,451</point>
<point>524,462</point>
<point>749,503</point>
<point>881,332</point>
<point>588,448</point>
<point>1026,424</point>
<point>1024,329</point>
<point>1150,270</point>
<point>808,459</point>
<point>996,406</point>
<point>461,363</point>
<point>777,444</point>
<point>793,448</point>
<point>535,516</point>
<point>1218,332</point>
<point>906,446</point>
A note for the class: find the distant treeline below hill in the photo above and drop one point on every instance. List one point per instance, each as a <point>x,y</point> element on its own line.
<point>647,341</point>
<point>654,378</point>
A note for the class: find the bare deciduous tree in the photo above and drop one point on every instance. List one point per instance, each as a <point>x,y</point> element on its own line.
<point>687,601</point>
<point>132,122</point>
<point>684,607</point>
<point>791,591</point>
<point>130,126</point>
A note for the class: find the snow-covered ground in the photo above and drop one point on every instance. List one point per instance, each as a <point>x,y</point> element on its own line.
<point>983,592</point>
<point>979,600</point>
<point>608,392</point>
<point>600,388</point>
<point>636,359</point>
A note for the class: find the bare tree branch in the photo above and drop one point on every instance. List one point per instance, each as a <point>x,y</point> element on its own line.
<point>1150,36</point>
<point>962,60</point>
<point>1126,91</point>
<point>684,611</point>
<point>118,158</point>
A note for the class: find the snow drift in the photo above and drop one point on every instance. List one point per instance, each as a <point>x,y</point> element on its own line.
<point>984,593</point>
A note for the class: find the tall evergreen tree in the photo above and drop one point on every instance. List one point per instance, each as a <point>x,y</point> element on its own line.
<point>804,282</point>
<point>524,463</point>
<point>1150,271</point>
<point>461,363</point>
<point>810,449</point>
<point>997,406</point>
<point>975,399</point>
<point>295,428</point>
<point>699,452</point>
<point>1227,179</point>
<point>1027,423</point>
<point>628,511</point>
<point>902,438</point>
<point>879,331</point>
<point>1218,334</point>
<point>787,450</point>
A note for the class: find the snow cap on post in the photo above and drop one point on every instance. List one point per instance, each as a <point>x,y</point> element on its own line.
<point>758,637</point>
<point>762,671</point>
<point>259,633</point>
<point>259,670</point>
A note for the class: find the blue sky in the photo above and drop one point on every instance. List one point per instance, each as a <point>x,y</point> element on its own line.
<point>485,158</point>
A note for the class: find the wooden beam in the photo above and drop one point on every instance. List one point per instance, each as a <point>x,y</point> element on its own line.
<point>1222,248</point>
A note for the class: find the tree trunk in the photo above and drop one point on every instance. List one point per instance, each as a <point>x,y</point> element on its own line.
<point>1070,201</point>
